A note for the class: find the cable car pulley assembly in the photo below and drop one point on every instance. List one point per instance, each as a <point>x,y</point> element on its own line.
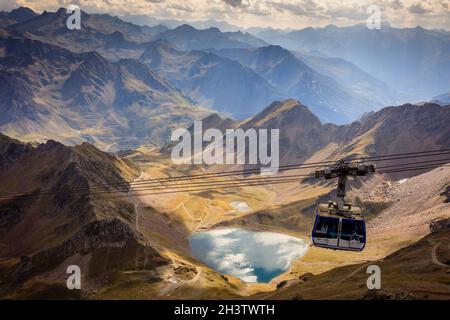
<point>339,224</point>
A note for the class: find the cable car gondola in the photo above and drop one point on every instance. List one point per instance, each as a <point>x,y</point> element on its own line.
<point>339,225</point>
<point>337,231</point>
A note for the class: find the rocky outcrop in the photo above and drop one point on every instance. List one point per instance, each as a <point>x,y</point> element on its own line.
<point>440,225</point>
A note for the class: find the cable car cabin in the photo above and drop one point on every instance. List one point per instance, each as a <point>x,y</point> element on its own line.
<point>340,230</point>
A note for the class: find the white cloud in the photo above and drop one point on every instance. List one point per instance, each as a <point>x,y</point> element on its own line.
<point>275,13</point>
<point>8,5</point>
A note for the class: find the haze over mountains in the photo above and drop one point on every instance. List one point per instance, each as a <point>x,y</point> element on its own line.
<point>187,37</point>
<point>234,73</point>
<point>443,98</point>
<point>292,77</point>
<point>213,81</point>
<point>413,61</point>
<point>122,244</point>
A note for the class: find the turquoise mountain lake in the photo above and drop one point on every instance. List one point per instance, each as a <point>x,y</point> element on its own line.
<point>252,256</point>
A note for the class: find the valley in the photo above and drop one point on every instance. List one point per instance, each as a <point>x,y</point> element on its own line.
<point>87,177</point>
<point>163,218</point>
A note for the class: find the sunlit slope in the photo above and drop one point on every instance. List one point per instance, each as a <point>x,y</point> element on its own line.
<point>83,212</point>
<point>161,220</point>
<point>418,271</point>
<point>288,208</point>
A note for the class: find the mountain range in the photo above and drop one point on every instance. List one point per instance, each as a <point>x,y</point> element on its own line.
<point>115,38</point>
<point>333,92</point>
<point>232,72</point>
<point>294,78</point>
<point>49,92</point>
<point>126,246</point>
<point>413,61</point>
<point>145,20</point>
<point>16,16</point>
<point>211,80</point>
<point>397,129</point>
<point>187,37</point>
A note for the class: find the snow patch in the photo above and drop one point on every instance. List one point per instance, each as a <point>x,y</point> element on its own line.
<point>240,206</point>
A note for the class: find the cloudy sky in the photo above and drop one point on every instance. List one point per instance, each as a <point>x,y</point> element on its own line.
<point>262,13</point>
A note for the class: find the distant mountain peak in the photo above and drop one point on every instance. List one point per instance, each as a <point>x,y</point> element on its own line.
<point>22,13</point>
<point>185,27</point>
<point>61,11</point>
<point>286,110</point>
<point>52,145</point>
<point>330,27</point>
<point>215,29</point>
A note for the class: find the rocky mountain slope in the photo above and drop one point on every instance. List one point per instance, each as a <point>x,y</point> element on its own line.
<point>45,232</point>
<point>16,16</point>
<point>47,90</point>
<point>399,129</point>
<point>78,210</point>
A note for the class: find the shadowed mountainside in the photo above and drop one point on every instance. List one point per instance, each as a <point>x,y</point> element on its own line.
<point>48,90</point>
<point>40,233</point>
<point>16,16</point>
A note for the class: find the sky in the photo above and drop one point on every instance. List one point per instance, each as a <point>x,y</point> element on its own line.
<point>279,14</point>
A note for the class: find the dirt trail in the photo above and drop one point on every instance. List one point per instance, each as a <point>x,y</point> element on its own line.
<point>434,257</point>
<point>171,287</point>
<point>349,275</point>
